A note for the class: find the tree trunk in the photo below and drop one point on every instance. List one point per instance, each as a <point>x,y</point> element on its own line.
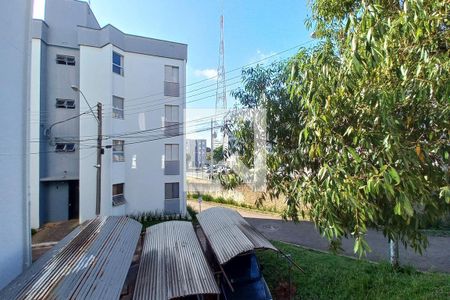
<point>394,257</point>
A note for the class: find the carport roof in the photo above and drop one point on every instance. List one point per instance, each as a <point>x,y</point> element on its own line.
<point>229,234</point>
<point>173,264</point>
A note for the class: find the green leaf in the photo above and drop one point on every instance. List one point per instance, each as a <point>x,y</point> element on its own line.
<point>394,175</point>
<point>355,155</point>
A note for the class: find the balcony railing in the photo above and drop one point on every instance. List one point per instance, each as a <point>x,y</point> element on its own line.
<point>172,128</point>
<point>172,206</point>
<point>171,89</point>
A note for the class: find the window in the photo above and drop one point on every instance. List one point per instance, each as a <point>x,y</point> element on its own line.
<point>65,60</point>
<point>171,113</point>
<point>118,151</point>
<point>118,197</point>
<point>117,63</point>
<point>171,74</point>
<point>64,147</point>
<point>65,103</point>
<point>117,112</point>
<point>172,152</point>
<point>172,190</point>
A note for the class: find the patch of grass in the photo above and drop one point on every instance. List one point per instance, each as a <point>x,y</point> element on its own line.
<point>152,218</point>
<point>231,201</point>
<point>329,276</point>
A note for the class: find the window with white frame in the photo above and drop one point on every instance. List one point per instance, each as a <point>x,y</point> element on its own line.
<point>118,105</point>
<point>172,190</point>
<point>118,150</point>
<point>64,147</point>
<point>172,113</point>
<point>117,63</point>
<point>172,152</point>
<point>65,60</point>
<point>171,74</point>
<point>118,197</point>
<point>65,103</point>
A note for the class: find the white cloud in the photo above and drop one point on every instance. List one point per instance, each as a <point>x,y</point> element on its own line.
<point>207,73</point>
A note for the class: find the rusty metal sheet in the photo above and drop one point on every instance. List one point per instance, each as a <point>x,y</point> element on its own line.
<point>173,264</point>
<point>92,262</point>
<point>230,234</point>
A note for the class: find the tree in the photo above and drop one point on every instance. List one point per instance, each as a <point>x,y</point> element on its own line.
<point>374,143</point>
<point>365,139</point>
<point>218,154</point>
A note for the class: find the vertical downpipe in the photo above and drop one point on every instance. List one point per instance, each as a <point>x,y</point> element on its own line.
<point>26,146</point>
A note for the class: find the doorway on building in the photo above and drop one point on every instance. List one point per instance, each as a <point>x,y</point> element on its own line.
<point>74,202</point>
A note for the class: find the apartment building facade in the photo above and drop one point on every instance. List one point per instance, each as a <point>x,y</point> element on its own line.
<point>139,82</point>
<point>195,153</point>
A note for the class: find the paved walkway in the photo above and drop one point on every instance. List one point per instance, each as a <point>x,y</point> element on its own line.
<point>435,258</point>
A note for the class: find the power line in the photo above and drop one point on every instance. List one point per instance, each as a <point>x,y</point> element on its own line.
<point>215,76</point>
<point>73,139</point>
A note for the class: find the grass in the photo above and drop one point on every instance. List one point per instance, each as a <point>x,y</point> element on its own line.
<point>329,276</point>
<point>152,218</point>
<point>232,202</point>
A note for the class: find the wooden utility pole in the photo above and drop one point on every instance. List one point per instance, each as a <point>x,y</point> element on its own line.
<point>99,159</point>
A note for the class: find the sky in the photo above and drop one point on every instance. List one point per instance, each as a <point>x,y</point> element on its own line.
<point>254,30</point>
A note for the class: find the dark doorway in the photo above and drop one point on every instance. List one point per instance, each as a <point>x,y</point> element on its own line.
<point>74,202</point>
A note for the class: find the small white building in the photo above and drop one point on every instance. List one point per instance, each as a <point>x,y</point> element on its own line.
<point>140,83</point>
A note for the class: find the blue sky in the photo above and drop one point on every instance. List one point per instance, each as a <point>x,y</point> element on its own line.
<point>253,31</point>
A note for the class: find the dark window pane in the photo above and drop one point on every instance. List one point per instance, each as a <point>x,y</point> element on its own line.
<point>59,147</point>
<point>70,147</point>
<point>118,189</point>
<point>117,59</point>
<point>168,191</point>
<point>175,190</point>
<point>117,70</point>
<point>70,104</point>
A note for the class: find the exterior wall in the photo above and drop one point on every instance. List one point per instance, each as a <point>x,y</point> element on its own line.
<point>142,172</point>
<point>96,84</point>
<point>35,131</point>
<point>59,79</point>
<point>15,49</point>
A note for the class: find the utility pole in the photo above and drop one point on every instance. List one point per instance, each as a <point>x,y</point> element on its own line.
<point>99,159</point>
<point>211,161</point>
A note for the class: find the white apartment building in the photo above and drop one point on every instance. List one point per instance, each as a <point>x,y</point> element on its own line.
<point>140,83</point>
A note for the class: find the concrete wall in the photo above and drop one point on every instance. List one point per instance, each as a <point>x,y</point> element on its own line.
<point>15,17</point>
<point>57,84</point>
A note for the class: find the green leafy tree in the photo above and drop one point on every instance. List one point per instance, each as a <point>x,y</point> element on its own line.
<point>375,139</point>
<point>359,135</point>
<point>218,154</point>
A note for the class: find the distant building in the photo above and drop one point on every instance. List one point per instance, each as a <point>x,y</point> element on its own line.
<point>15,234</point>
<point>195,153</point>
<point>139,82</point>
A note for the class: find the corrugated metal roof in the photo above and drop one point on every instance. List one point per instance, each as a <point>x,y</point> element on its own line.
<point>92,262</point>
<point>173,264</point>
<point>229,234</point>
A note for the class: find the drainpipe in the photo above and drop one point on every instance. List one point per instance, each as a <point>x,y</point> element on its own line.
<point>26,147</point>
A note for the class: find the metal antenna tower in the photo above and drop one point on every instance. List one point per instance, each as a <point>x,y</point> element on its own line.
<point>221,92</point>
